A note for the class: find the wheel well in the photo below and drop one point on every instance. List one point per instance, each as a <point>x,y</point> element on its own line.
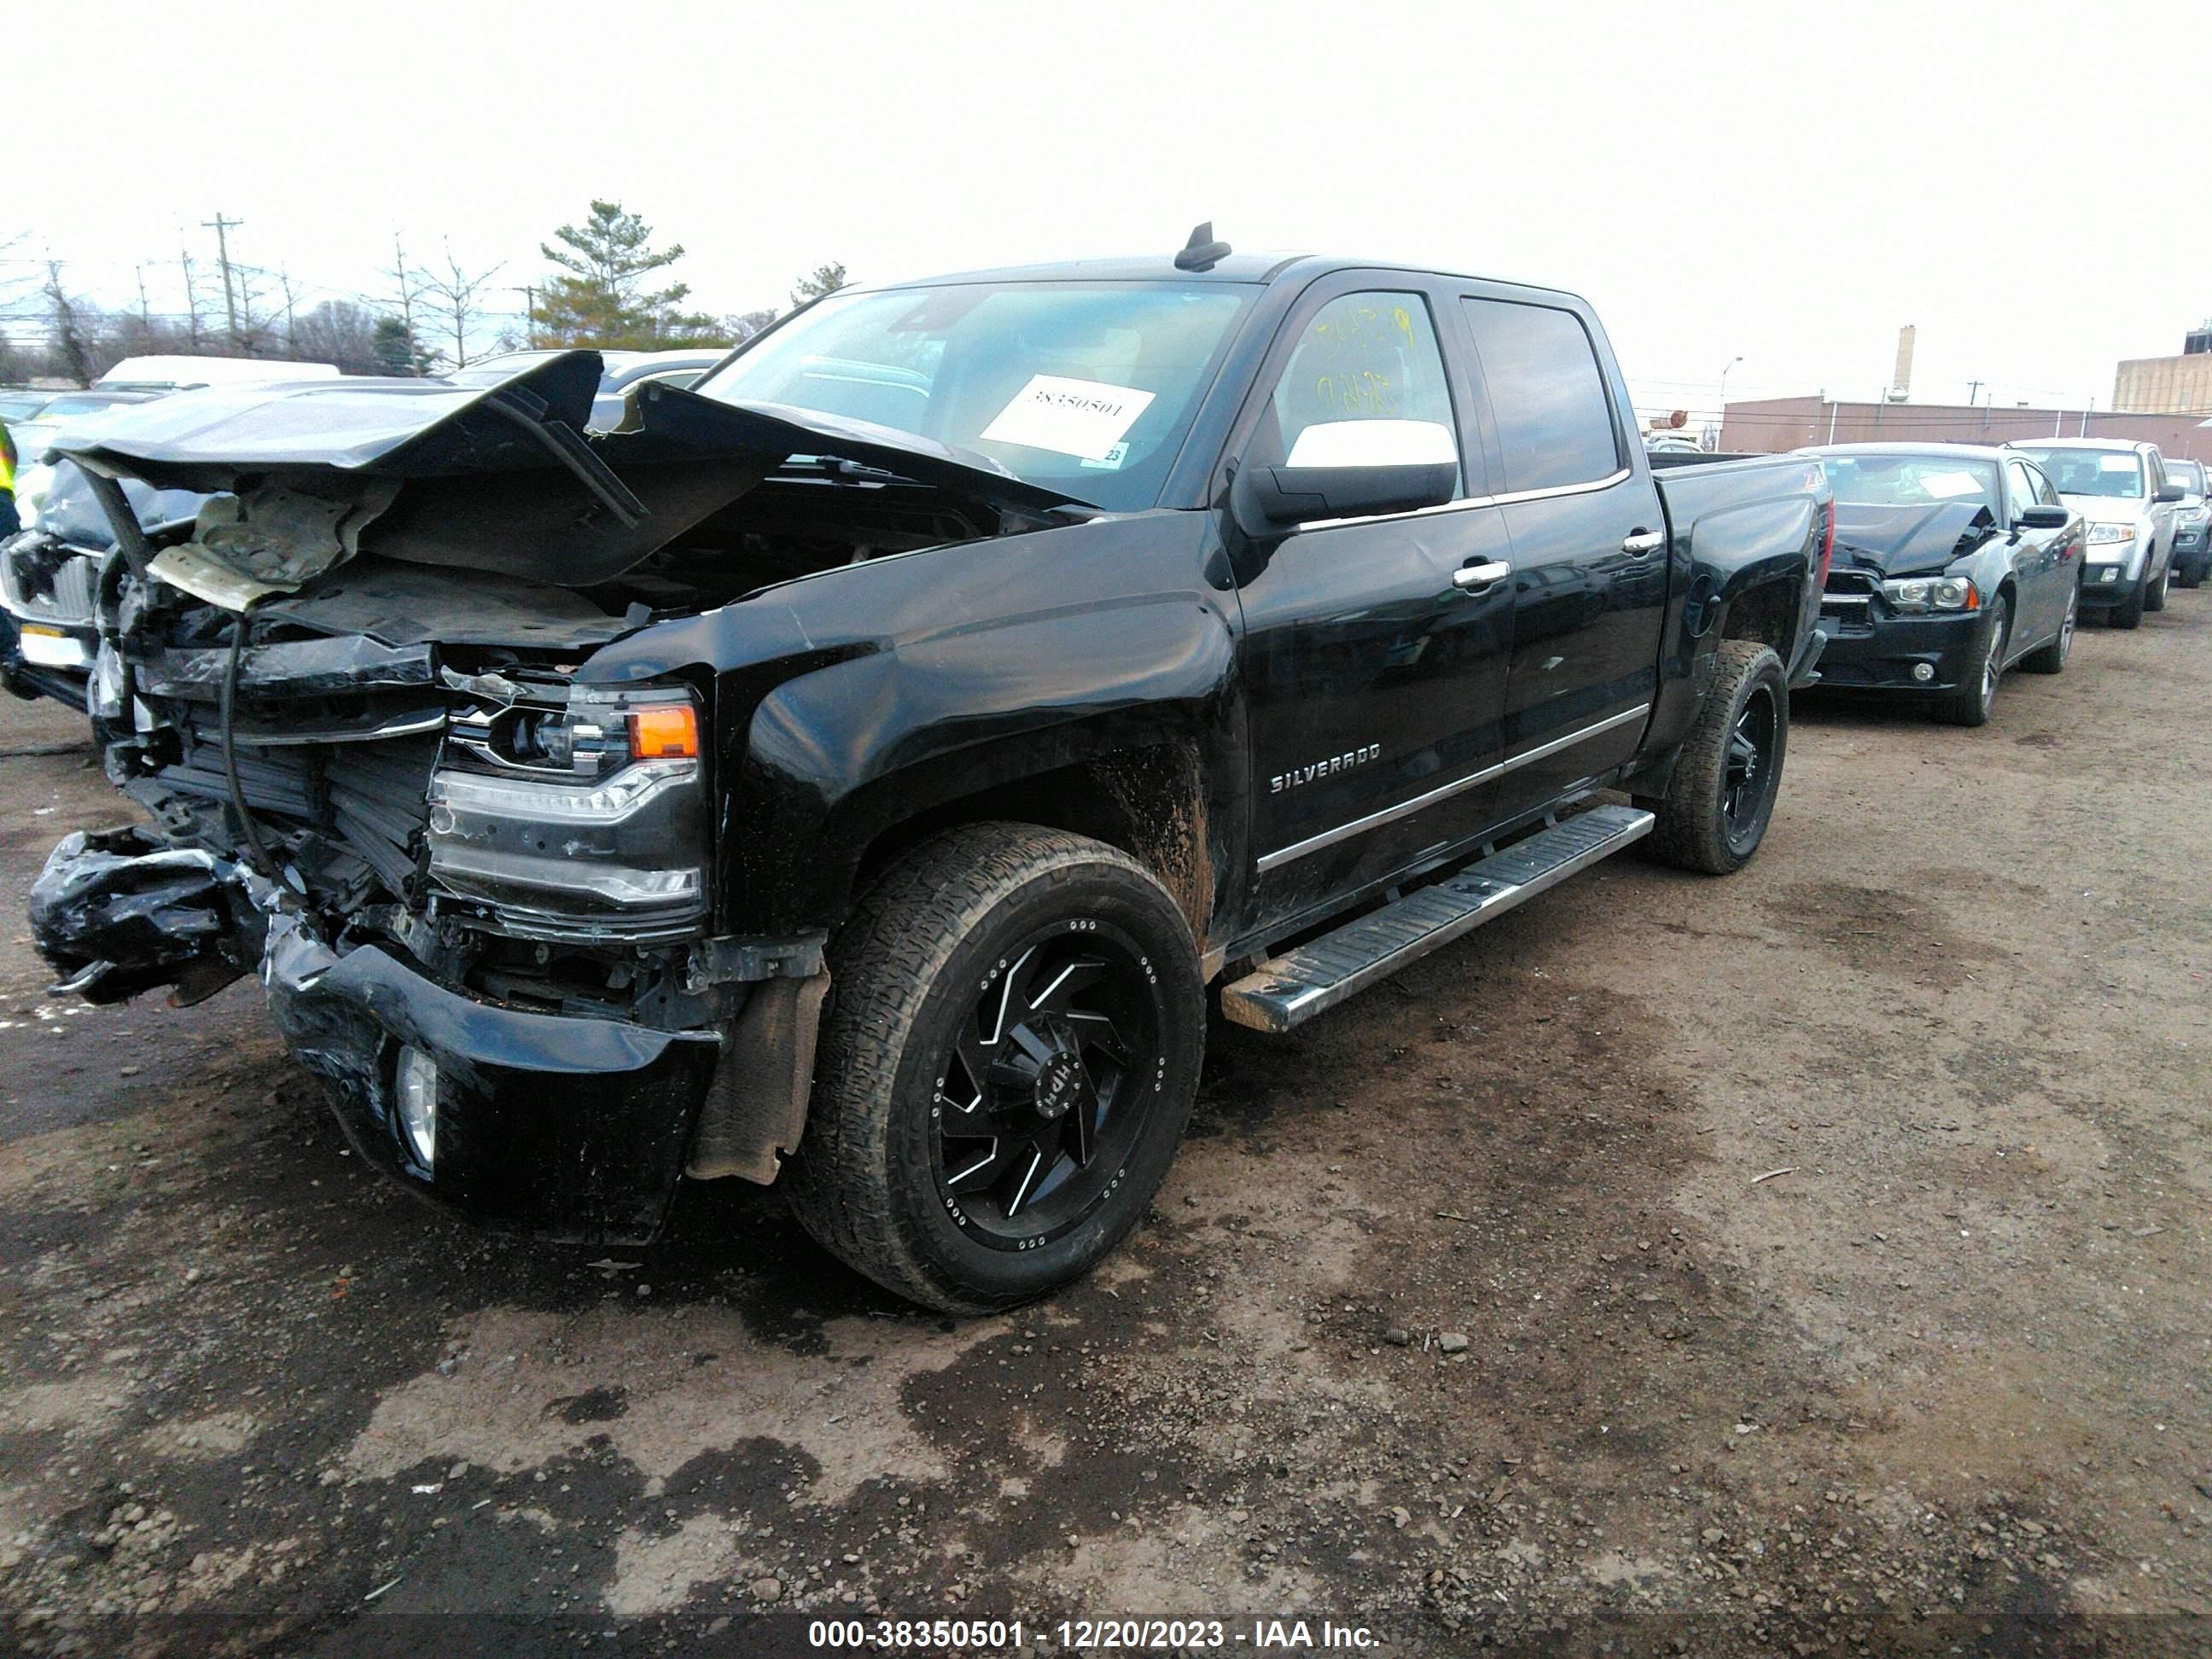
<point>1149,802</point>
<point>1767,613</point>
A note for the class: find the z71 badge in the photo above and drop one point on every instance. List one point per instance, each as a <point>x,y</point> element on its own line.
<point>1298,776</point>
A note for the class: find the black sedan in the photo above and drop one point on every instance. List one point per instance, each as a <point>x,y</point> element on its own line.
<point>1952,563</point>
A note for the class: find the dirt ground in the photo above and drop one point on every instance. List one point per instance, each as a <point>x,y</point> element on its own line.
<point>1811,1261</point>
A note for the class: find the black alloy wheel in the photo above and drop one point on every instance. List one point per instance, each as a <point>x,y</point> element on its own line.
<point>1721,795</point>
<point>1047,1085</point>
<point>1008,1056</point>
<point>1750,766</point>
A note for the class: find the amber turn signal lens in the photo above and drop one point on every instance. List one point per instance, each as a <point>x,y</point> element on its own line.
<point>664,732</point>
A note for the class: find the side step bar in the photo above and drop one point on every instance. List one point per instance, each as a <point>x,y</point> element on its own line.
<point>1290,989</point>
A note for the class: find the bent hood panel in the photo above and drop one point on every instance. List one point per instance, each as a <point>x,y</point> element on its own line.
<point>1902,541</point>
<point>504,477</point>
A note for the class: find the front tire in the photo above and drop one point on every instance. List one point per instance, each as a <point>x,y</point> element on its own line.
<point>2191,574</point>
<point>2050,658</point>
<point>1969,702</point>
<point>1006,1068</point>
<point>2154,592</point>
<point>1721,798</point>
<point>2129,613</point>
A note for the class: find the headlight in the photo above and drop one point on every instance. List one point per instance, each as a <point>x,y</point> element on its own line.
<point>2110,533</point>
<point>586,817</point>
<point>1931,594</point>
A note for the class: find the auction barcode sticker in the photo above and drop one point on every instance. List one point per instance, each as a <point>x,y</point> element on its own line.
<point>1084,418</point>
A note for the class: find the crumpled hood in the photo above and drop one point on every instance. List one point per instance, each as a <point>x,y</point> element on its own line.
<point>1903,541</point>
<point>501,477</point>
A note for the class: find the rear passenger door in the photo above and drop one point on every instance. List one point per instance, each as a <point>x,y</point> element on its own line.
<point>1589,545</point>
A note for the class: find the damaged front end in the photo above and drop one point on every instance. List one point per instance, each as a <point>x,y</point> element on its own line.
<point>352,693</point>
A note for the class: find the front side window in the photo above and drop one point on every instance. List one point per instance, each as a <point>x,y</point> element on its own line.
<point>1087,388</point>
<point>2110,472</point>
<point>1370,359</point>
<point>2023,486</point>
<point>1555,421</point>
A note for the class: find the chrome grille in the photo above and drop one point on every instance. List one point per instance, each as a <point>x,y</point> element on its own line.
<point>69,602</point>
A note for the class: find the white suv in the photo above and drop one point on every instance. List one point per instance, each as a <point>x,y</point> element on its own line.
<point>2121,492</point>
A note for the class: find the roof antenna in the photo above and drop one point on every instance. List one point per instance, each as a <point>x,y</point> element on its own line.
<point>1201,253</point>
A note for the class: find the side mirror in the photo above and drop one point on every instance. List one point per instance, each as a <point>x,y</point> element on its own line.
<point>2171,490</point>
<point>2044,518</point>
<point>1348,469</point>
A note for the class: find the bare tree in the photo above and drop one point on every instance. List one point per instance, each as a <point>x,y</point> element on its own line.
<point>451,296</point>
<point>70,351</point>
<point>406,286</point>
<point>341,333</point>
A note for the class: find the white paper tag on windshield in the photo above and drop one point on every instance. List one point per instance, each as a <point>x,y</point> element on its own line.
<point>1084,418</point>
<point>2116,463</point>
<point>1949,485</point>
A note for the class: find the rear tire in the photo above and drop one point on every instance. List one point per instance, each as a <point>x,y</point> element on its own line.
<point>1721,798</point>
<point>934,1057</point>
<point>2050,658</point>
<point>2154,592</point>
<point>1970,702</point>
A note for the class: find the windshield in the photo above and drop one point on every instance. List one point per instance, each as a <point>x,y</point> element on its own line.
<point>1086,388</point>
<point>2090,471</point>
<point>1910,480</point>
<point>2189,474</point>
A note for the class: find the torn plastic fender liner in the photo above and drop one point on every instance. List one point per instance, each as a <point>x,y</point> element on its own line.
<point>115,913</point>
<point>562,1126</point>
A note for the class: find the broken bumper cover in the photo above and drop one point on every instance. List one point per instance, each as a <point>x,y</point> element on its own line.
<point>563,1127</point>
<point>1883,656</point>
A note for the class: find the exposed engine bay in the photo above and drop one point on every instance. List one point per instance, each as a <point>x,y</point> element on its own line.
<point>349,688</point>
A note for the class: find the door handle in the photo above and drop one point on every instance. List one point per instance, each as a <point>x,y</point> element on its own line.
<point>1645,541</point>
<point>1471,576</point>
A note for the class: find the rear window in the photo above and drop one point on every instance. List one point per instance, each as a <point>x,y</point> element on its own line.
<point>1555,421</point>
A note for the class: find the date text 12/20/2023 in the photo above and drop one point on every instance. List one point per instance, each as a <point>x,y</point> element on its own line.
<point>1175,1635</point>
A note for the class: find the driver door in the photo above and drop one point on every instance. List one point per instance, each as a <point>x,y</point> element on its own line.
<point>1374,650</point>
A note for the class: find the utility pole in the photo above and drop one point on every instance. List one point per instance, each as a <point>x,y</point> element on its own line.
<point>191,300</point>
<point>1973,392</point>
<point>222,227</point>
<point>529,293</point>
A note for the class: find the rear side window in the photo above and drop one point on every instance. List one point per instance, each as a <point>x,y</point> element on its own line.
<point>1555,421</point>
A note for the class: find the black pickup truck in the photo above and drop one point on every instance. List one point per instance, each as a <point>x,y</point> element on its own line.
<point>854,770</point>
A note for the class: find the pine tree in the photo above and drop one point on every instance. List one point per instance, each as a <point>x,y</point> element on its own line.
<point>823,279</point>
<point>396,349</point>
<point>599,296</point>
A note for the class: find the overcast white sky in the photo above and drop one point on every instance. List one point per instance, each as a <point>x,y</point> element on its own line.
<point>1765,180</point>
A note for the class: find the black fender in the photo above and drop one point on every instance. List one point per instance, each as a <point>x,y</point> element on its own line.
<point>1748,571</point>
<point>837,758</point>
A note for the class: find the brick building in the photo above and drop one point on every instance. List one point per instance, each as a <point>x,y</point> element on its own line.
<point>1769,424</point>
